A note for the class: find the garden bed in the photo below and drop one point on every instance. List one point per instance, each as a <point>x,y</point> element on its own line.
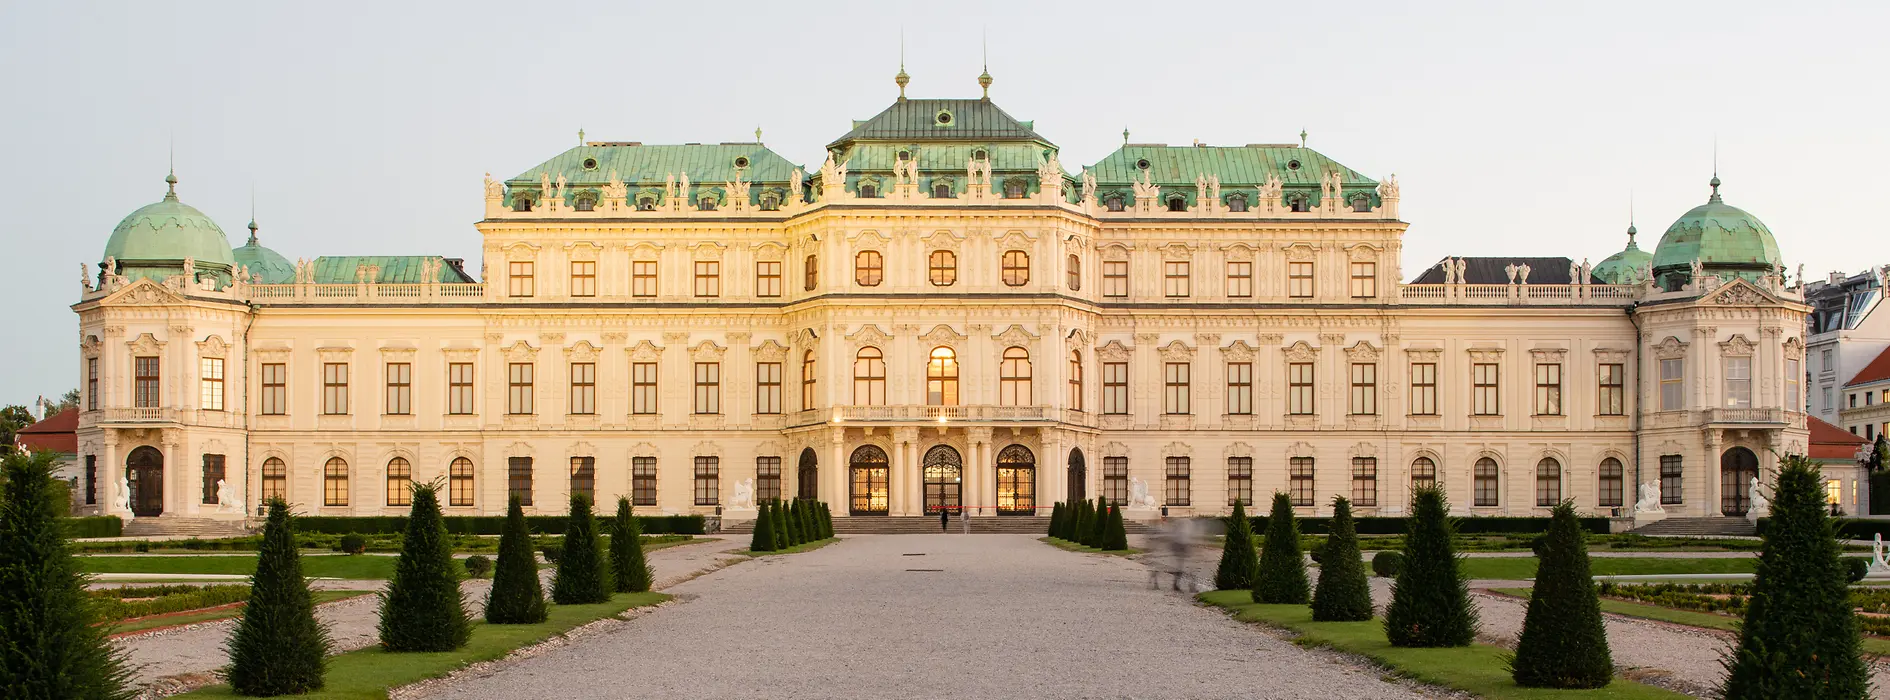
<point>1721,606</point>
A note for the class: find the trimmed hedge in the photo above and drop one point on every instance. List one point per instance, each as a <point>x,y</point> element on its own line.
<point>1465,525</point>
<point>489,524</point>
<point>94,526</point>
<point>1847,528</point>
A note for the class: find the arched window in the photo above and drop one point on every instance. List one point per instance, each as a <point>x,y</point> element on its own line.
<point>586,204</point>
<point>335,482</point>
<point>275,480</point>
<point>1237,203</point>
<point>942,268</point>
<point>869,378</point>
<point>1299,203</point>
<point>869,268</point>
<point>770,201</point>
<point>1076,272</point>
<point>1177,203</point>
<point>1076,380</point>
<point>584,477</point>
<point>1610,492</point>
<point>460,482</point>
<point>941,190</point>
<point>807,381</point>
<point>1113,202</point>
<point>1423,473</point>
<point>1013,189</point>
<point>941,378</point>
<point>1548,482</point>
<point>399,482</point>
<point>1014,378</point>
<point>706,203</point>
<point>869,191</point>
<point>1485,477</point>
<point>811,269</point>
<point>1361,203</point>
<point>1016,268</point>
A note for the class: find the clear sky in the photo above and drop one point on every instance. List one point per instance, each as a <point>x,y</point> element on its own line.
<point>1515,128</point>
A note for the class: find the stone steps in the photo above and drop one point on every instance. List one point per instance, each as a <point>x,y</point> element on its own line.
<point>165,526</point>
<point>1720,526</point>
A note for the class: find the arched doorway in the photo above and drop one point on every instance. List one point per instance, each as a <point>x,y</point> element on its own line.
<point>869,466</point>
<point>944,472</point>
<point>144,471</point>
<point>807,476</point>
<point>1016,481</point>
<point>1079,476</point>
<point>1737,468</point>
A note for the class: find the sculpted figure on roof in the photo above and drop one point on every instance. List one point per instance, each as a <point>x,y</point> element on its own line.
<point>794,185</point>
<point>1146,188</point>
<point>494,188</point>
<point>615,190</point>
<point>1089,186</point>
<point>1388,188</point>
<point>1271,190</point>
<point>669,187</point>
<point>544,186</point>
<point>683,189</point>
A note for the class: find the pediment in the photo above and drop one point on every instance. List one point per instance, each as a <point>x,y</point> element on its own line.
<point>1739,293</point>
<point>143,292</point>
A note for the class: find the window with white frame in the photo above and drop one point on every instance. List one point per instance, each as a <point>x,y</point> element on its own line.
<point>210,383</point>
<point>1739,382</point>
<point>1672,384</point>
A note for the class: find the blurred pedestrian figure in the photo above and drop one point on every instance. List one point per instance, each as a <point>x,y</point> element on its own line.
<point>944,519</point>
<point>1172,543</point>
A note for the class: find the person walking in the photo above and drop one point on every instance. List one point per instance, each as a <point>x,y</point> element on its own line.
<point>944,519</point>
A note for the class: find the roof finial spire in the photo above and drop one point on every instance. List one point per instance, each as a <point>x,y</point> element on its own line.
<point>252,215</point>
<point>984,79</point>
<point>170,178</point>
<point>902,79</point>
<point>1125,136</point>
<point>757,133</point>
<point>1630,218</point>
<point>580,136</point>
<point>1715,181</point>
<point>1302,138</point>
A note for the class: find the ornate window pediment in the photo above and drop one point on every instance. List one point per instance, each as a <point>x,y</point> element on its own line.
<point>1794,349</point>
<point>769,351</point>
<point>1177,251</point>
<point>1015,336</point>
<point>583,351</point>
<point>1611,355</point>
<point>1364,449</point>
<point>1238,252</point>
<point>213,346</point>
<point>1423,354</point>
<point>1362,351</point>
<point>707,250</point>
<point>1115,449</point>
<point>1363,252</point>
<point>706,448</point>
<point>942,334</point>
<point>869,334</point>
<point>868,238</point>
<point>583,250</point>
<point>769,251</point>
<point>521,250</point>
<point>90,345</point>
<point>707,351</point>
<point>142,293</point>
<point>1238,449</point>
<point>1670,348</point>
<point>1299,449</point>
<point>1739,293</point>
<point>1080,338</point>
<point>1300,351</point>
<point>1176,351</point>
<point>942,239</point>
<point>1114,351</point>
<point>1177,449</point>
<point>1736,346</point>
<point>1548,355</point>
<point>398,354</point>
<point>1016,239</point>
<point>645,351</point>
<point>145,344</point>
<point>1299,252</point>
<point>1238,351</point>
<point>521,351</point>
<point>645,250</point>
<point>1114,251</point>
<point>1486,354</point>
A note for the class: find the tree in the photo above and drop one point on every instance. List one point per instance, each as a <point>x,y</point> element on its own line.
<point>813,521</point>
<point>70,399</point>
<point>13,419</point>
<point>582,577</point>
<point>1800,637</point>
<point>778,511</point>
<point>49,646</point>
<point>517,597</point>
<point>1056,519</point>
<point>423,608</point>
<point>763,538</point>
<point>278,648</point>
<point>1563,642</point>
<point>1098,524</point>
<point>826,520</point>
<point>1238,556</point>
<point>1343,594</point>
<point>1281,576</point>
<point>794,534</point>
<point>1079,521</point>
<point>630,570</point>
<point>1430,601</point>
<point>1117,538</point>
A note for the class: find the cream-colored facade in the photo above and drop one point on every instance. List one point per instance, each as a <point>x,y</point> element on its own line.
<point>899,347</point>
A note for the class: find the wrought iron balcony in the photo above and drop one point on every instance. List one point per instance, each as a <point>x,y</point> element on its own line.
<point>941,414</point>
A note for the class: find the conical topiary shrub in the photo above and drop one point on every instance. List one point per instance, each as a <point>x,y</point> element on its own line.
<point>1800,637</point>
<point>630,571</point>
<point>1098,524</point>
<point>517,597</point>
<point>1343,593</point>
<point>1117,539</point>
<point>794,534</point>
<point>1430,601</point>
<point>582,577</point>
<point>826,519</point>
<point>1281,576</point>
<point>779,513</point>
<point>278,648</point>
<point>1079,521</point>
<point>423,608</point>
<point>1056,519</point>
<point>1563,643</point>
<point>49,647</point>
<point>1239,557</point>
<point>763,538</point>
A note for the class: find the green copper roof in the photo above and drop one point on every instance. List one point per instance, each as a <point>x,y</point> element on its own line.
<point>1236,165</point>
<point>941,120</point>
<point>1624,267</point>
<point>395,269</point>
<point>1724,238</point>
<point>154,240</point>
<point>265,266</point>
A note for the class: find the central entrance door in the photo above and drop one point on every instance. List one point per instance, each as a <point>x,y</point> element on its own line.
<point>1737,468</point>
<point>944,479</point>
<point>144,470</point>
<point>868,466</point>
<point>1016,481</point>
<point>1079,475</point>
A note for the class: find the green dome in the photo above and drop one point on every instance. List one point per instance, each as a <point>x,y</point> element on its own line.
<point>154,240</point>
<point>1624,267</point>
<point>1725,239</point>
<point>265,266</point>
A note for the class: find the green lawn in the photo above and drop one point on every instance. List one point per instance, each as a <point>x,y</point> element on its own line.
<point>369,673</point>
<point>1691,618</point>
<point>193,617</point>
<point>1075,547</point>
<point>1478,669</point>
<point>796,549</point>
<point>1518,568</point>
<point>328,566</point>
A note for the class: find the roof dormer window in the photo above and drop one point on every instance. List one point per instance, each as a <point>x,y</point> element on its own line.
<point>941,191</point>
<point>1013,189</point>
<point>706,203</point>
<point>1177,203</point>
<point>869,191</point>
<point>521,202</point>
<point>646,204</point>
<point>980,155</point>
<point>1237,203</point>
<point>1361,203</point>
<point>586,204</point>
<point>770,201</point>
<point>1113,202</point>
<point>1299,203</point>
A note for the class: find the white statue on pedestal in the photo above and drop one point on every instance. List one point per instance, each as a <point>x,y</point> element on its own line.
<point>744,495</point>
<point>228,501</point>
<point>1760,506</point>
<point>1879,554</point>
<point>123,500</point>
<point>1650,498</point>
<point>1138,494</point>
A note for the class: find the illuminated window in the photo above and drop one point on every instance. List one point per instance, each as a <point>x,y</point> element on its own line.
<point>869,268</point>
<point>399,482</point>
<point>941,378</point>
<point>210,383</point>
<point>1016,268</point>
<point>520,281</point>
<point>1014,378</point>
<point>869,377</point>
<point>335,482</point>
<point>942,268</point>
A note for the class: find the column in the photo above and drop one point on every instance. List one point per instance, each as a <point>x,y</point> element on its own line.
<point>896,478</point>
<point>833,487</point>
<point>1053,472</point>
<point>108,473</point>
<point>172,482</point>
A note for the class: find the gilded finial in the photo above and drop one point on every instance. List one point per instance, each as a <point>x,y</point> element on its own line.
<point>757,133</point>
<point>902,79</point>
<point>984,79</point>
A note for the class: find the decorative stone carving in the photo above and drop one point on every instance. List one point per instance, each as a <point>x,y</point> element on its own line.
<point>1736,346</point>
<point>1740,294</point>
<point>1299,351</point>
<point>1548,355</point>
<point>942,334</point>
<point>1299,252</point>
<point>1486,354</point>
<point>869,334</point>
<point>1794,348</point>
<point>707,351</point>
<point>1237,252</point>
<point>1299,449</point>
<point>583,351</point>
<point>1611,355</point>
<point>1270,338</point>
<point>707,250</point>
<point>1113,351</point>
<point>1015,335</point>
<point>145,344</point>
<point>213,346</point>
<point>521,351</point>
<point>1670,348</point>
<point>1362,252</point>
<point>1177,252</point>
<point>645,351</point>
<point>1238,351</point>
<point>769,351</point>
<point>1175,351</point>
<point>1423,354</point>
<point>1362,351</point>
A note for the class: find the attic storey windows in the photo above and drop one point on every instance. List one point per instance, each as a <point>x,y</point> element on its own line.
<point>1237,203</point>
<point>1113,202</point>
<point>1177,203</point>
<point>519,280</point>
<point>941,191</point>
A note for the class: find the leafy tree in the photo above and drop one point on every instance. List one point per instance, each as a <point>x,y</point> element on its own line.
<point>517,597</point>
<point>582,576</point>
<point>1430,601</point>
<point>1281,576</point>
<point>1563,643</point>
<point>13,419</point>
<point>70,399</point>
<point>1238,555</point>
<point>1800,638</point>
<point>423,608</point>
<point>49,647</point>
<point>278,648</point>
<point>1343,594</point>
<point>630,570</point>
<point>1117,539</point>
<point>763,538</point>
<point>794,534</point>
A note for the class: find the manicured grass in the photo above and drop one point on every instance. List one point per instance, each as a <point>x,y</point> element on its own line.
<point>796,549</point>
<point>1478,669</point>
<point>369,673</point>
<point>190,618</point>
<point>1518,568</point>
<point>1077,547</point>
<point>331,566</point>
<point>1691,618</point>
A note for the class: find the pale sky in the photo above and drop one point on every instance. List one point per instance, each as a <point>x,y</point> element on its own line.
<point>365,128</point>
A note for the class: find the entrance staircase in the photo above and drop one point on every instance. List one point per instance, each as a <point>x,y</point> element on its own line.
<point>1717,526</point>
<point>168,526</point>
<point>910,525</point>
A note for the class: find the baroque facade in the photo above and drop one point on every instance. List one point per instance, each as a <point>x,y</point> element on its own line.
<point>938,315</point>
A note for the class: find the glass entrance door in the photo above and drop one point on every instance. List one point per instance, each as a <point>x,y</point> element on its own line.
<point>1737,468</point>
<point>868,491</point>
<point>144,473</point>
<point>944,479</point>
<point>1016,481</point>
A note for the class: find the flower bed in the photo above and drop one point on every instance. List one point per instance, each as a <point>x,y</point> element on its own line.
<point>115,604</point>
<point>1730,599</point>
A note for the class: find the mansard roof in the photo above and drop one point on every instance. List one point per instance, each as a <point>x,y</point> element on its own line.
<point>395,269</point>
<point>941,120</point>
<point>1236,166</point>
<point>1491,271</point>
<point>592,164</point>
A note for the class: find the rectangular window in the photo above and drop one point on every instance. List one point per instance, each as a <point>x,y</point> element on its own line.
<point>643,278</point>
<point>1364,389</point>
<point>643,481</point>
<point>1613,399</point>
<point>1739,382</point>
<point>1076,381</point>
<point>1240,388</point>
<point>1484,397</point>
<point>708,388</point>
<point>1671,481</point>
<point>708,278</point>
<point>1115,276</point>
<point>1116,480</point>
<point>519,279</point>
<point>91,384</point>
<point>1239,480</point>
<point>1548,389</point>
<point>1115,388</point>
<point>1300,480</point>
<point>1424,388</point>
<point>145,374</point>
<point>1364,280</point>
<point>1365,481</point>
<point>1672,384</point>
<point>335,388</point>
<point>459,388</point>
<point>811,270</point>
<point>1240,279</point>
<point>1299,389</point>
<point>708,480</point>
<point>768,278</point>
<point>1176,488</point>
<point>1299,280</point>
<point>767,478</point>
<point>584,477</point>
<point>1175,399</point>
<point>518,394</point>
<point>275,389</point>
<point>210,384</point>
<point>399,389</point>
<point>91,480</point>
<point>767,387</point>
<point>583,278</point>
<point>518,479</point>
<point>1792,377</point>
<point>643,388</point>
<point>583,388</point>
<point>212,473</point>
<point>1175,278</point>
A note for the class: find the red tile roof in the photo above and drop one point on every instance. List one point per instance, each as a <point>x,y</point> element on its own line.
<point>58,433</point>
<point>1878,369</point>
<point>1831,442</point>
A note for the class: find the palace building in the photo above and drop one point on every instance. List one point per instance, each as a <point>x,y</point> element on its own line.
<point>939,315</point>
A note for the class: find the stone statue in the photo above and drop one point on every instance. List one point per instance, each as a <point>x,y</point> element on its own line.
<point>1510,270</point>
<point>1388,188</point>
<point>227,499</point>
<point>1450,271</point>
<point>1574,272</point>
<point>738,190</point>
<point>744,498</point>
<point>1138,494</point>
<point>544,186</point>
<point>829,172</point>
<point>1650,498</point>
<point>669,187</point>
<point>1214,188</point>
<point>1801,274</point>
<point>1089,186</point>
<point>1271,191</point>
<point>494,188</point>
<point>1200,189</point>
<point>190,269</point>
<point>615,191</point>
<point>977,171</point>
<point>85,277</point>
<point>840,171</point>
<point>1522,271</point>
<point>794,185</point>
<point>682,189</point>
<point>1146,187</point>
<point>111,266</point>
<point>1698,270</point>
<point>1461,268</point>
<point>1326,192</point>
<point>122,500</point>
<point>1879,554</point>
<point>1760,506</point>
<point>1588,271</point>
